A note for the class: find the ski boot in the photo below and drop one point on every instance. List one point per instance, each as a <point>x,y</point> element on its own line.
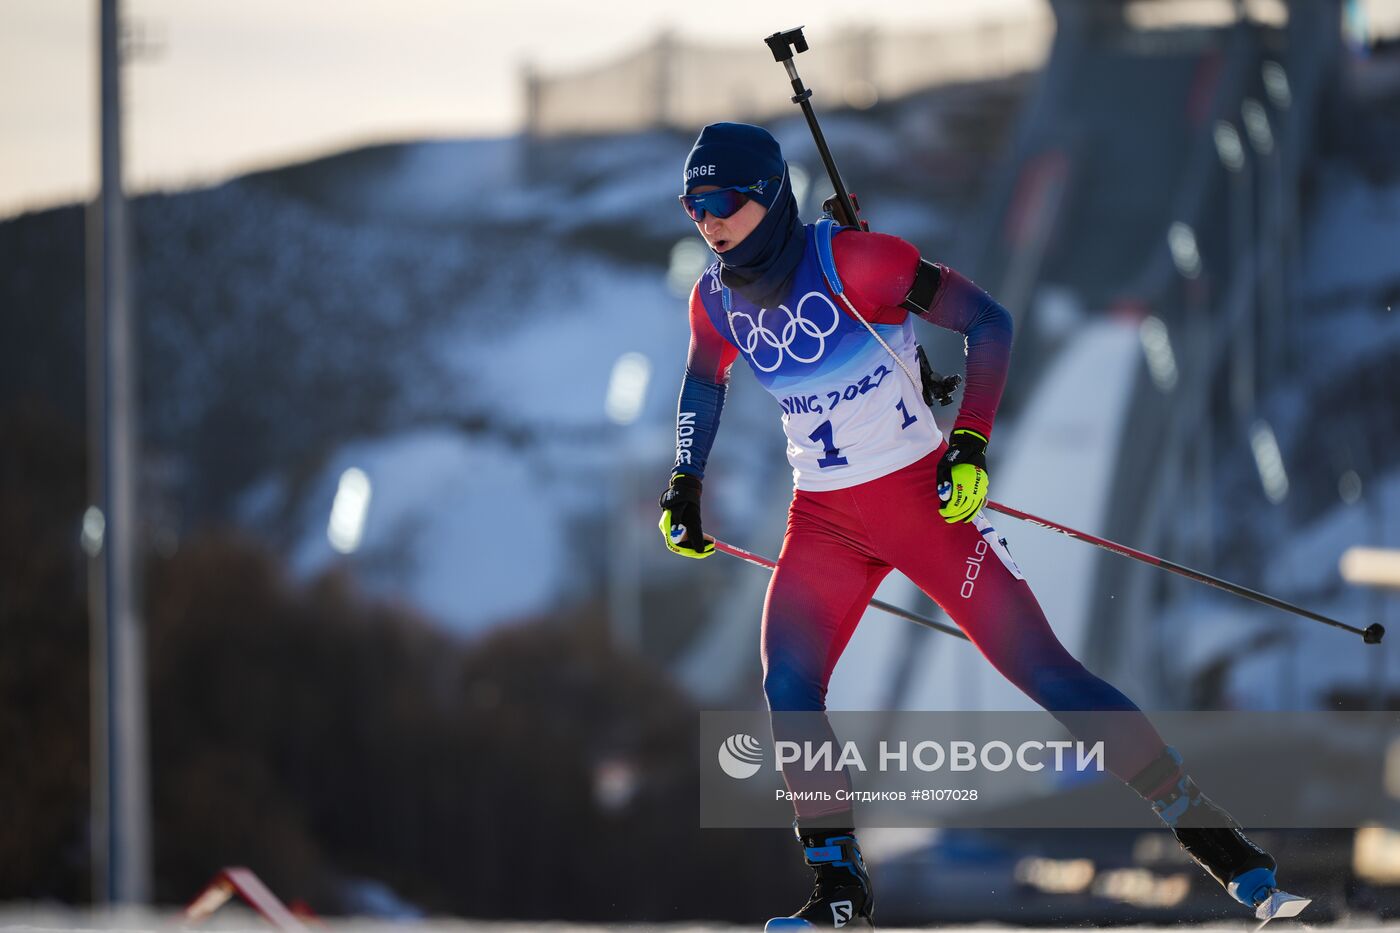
<point>842,896</point>
<point>1215,842</point>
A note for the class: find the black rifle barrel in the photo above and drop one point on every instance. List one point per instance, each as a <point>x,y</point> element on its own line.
<point>782,45</point>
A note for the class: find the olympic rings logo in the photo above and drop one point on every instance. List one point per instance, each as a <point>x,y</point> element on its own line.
<point>797,334</point>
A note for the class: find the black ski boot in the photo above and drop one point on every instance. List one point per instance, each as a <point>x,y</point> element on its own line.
<point>842,896</point>
<point>1215,841</point>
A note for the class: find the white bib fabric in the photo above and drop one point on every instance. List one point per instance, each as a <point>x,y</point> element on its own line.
<point>849,412</point>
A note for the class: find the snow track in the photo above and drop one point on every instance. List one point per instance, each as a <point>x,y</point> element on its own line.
<point>49,920</point>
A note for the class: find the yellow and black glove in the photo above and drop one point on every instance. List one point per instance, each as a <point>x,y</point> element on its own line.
<point>962,476</point>
<point>680,518</point>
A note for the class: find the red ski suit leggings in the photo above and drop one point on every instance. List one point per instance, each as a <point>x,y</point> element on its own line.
<point>840,544</point>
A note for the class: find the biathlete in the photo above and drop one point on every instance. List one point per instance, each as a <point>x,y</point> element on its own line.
<point>823,317</point>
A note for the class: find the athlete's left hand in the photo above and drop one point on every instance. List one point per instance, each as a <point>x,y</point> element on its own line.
<point>962,476</point>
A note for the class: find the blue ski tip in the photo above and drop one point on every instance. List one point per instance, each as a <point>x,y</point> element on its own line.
<point>787,923</point>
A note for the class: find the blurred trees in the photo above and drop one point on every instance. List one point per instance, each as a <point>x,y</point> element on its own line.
<point>43,657</point>
<point>324,739</point>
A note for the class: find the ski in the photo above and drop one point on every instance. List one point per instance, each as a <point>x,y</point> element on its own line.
<point>1279,905</point>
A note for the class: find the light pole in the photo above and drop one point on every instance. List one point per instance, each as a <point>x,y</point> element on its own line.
<point>1186,256</point>
<point>627,388</point>
<point>1268,236</point>
<point>120,830</point>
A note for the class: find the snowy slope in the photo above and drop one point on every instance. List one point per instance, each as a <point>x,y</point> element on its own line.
<point>444,316</point>
<point>469,527</point>
<point>473,529</point>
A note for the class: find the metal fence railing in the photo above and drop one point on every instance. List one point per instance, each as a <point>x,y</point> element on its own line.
<point>676,84</point>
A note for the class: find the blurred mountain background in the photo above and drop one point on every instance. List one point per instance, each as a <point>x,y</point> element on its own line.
<point>1194,225</point>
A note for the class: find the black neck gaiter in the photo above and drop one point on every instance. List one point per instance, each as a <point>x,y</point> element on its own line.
<point>761,267</point>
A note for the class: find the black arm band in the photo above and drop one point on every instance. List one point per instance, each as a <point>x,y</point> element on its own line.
<point>920,297</point>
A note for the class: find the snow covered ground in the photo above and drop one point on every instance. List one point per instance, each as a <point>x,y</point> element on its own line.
<point>52,920</point>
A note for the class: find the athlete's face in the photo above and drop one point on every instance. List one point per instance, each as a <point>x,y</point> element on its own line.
<point>723,233</point>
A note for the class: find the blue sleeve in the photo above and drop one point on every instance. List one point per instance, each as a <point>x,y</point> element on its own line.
<point>960,305</point>
<point>697,420</point>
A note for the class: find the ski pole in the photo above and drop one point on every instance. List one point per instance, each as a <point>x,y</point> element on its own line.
<point>1371,634</point>
<point>760,561</point>
<point>784,45</point>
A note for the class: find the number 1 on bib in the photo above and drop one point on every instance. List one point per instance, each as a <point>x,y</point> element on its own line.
<point>823,435</point>
<point>908,418</point>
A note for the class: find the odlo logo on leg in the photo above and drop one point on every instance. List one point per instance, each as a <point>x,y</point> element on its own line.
<point>972,567</point>
<point>841,912</point>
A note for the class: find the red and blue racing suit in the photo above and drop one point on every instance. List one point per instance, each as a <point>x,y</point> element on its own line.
<point>864,450</point>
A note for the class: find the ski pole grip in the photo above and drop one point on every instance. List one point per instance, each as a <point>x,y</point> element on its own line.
<point>784,44</point>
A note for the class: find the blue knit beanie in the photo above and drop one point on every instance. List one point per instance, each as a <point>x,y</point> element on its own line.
<point>728,154</point>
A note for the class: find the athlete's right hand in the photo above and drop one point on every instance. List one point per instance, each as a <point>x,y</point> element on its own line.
<point>680,518</point>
